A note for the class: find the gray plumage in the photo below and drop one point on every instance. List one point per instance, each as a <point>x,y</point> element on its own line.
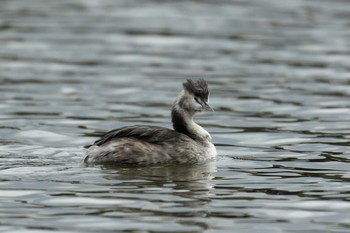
<point>198,88</point>
<point>144,145</point>
<point>150,134</point>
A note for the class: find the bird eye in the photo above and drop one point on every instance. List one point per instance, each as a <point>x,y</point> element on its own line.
<point>196,99</point>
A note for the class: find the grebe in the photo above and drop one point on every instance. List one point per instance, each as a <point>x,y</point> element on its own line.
<point>147,145</point>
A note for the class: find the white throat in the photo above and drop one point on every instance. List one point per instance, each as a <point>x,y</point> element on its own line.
<point>195,128</point>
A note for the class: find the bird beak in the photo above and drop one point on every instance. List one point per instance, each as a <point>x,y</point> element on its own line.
<point>208,108</point>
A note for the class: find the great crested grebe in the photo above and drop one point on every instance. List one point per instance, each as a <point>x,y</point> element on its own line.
<point>146,145</point>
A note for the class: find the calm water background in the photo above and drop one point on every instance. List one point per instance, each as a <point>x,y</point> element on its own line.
<point>279,73</point>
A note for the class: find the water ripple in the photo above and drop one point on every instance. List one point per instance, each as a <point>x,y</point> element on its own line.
<point>279,78</point>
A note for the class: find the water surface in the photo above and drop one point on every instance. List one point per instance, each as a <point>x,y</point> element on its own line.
<point>280,85</point>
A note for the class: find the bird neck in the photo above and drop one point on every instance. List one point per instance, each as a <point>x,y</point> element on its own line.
<point>183,122</point>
